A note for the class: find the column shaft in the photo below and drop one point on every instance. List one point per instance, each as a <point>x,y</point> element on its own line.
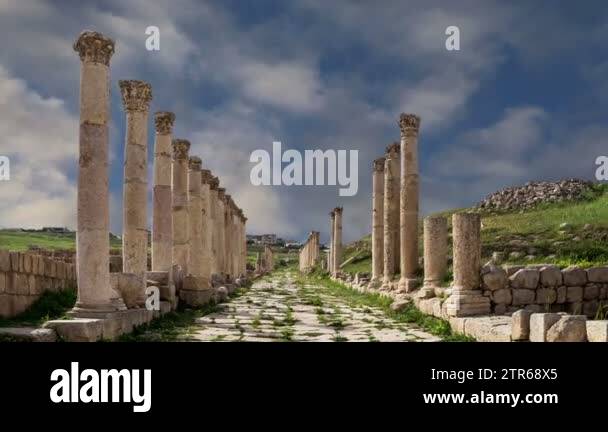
<point>181,149</point>
<point>378,220</point>
<point>435,250</point>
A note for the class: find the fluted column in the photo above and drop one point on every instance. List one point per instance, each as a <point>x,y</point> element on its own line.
<point>377,220</point>
<point>391,215</point>
<point>337,255</point>
<point>244,241</point>
<point>435,250</point>
<point>181,148</point>
<point>136,97</point>
<point>227,234</point>
<point>162,226</point>
<point>409,124</point>
<point>96,298</point>
<point>221,223</point>
<point>466,297</point>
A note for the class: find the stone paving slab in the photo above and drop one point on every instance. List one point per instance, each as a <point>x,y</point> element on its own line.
<point>279,310</point>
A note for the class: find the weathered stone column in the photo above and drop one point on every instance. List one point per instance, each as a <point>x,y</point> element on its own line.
<point>227,234</point>
<point>337,255</point>
<point>136,97</point>
<point>244,240</point>
<point>197,288</point>
<point>332,227</point>
<point>162,225</point>
<point>391,215</point>
<point>207,227</point>
<point>221,223</point>
<point>213,204</point>
<point>435,250</point>
<point>377,220</point>
<point>96,298</point>
<point>466,297</point>
<point>181,148</point>
<point>409,124</point>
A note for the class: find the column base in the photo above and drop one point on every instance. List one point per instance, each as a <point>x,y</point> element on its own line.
<point>387,285</point>
<point>467,303</point>
<point>196,298</point>
<point>196,283</point>
<point>407,285</point>
<point>83,310</point>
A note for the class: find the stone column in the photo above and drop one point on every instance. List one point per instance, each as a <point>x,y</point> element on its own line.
<point>197,288</point>
<point>96,298</point>
<point>409,124</point>
<point>136,97</point>
<point>377,220</point>
<point>391,215</point>
<point>207,228</point>
<point>244,240</point>
<point>213,199</point>
<point>221,237</point>
<point>181,148</point>
<point>162,228</point>
<point>330,259</point>
<point>337,255</point>
<point>227,235</point>
<point>435,250</point>
<point>466,298</point>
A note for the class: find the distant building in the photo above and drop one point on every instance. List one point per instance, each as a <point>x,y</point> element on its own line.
<point>265,239</point>
<point>56,230</point>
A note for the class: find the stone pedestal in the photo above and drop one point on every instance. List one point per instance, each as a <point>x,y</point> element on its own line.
<point>466,298</point>
<point>409,125</point>
<point>96,298</point>
<point>377,220</point>
<point>181,148</point>
<point>391,215</point>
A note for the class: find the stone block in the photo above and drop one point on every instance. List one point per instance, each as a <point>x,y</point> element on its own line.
<point>195,283</point>
<point>502,296</point>
<point>14,256</point>
<point>457,324</point>
<point>598,274</point>
<point>574,294</point>
<point>591,291</point>
<point>597,331</point>
<point>494,278</point>
<point>21,283</point>
<point>196,298</point>
<point>590,308</point>
<point>221,294</point>
<point>131,288</point>
<point>29,334</point>
<point>520,325</point>
<point>3,283</point>
<point>540,324</point>
<point>574,276</point>
<point>562,292</point>
<point>489,329</point>
<point>5,261</point>
<point>525,278</point>
<point>27,263</point>
<point>546,296</point>
<point>569,328</point>
<point>467,303</point>
<point>78,329</point>
<point>34,285</point>
<point>523,297</point>
<point>550,276</point>
<point>512,269</point>
<point>157,277</point>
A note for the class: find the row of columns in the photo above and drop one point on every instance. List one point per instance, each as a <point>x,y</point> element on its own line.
<point>265,260</point>
<point>309,255</point>
<point>197,229</point>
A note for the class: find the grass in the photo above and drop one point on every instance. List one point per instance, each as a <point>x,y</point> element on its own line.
<point>50,305</point>
<point>410,314</point>
<point>18,240</point>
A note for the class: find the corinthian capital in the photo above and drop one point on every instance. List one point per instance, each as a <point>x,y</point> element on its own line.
<point>409,124</point>
<point>181,147</point>
<point>206,176</point>
<point>214,183</point>
<point>136,95</point>
<point>220,193</point>
<point>393,150</point>
<point>163,120</point>
<point>379,165</point>
<point>195,163</point>
<point>338,210</point>
<point>94,47</point>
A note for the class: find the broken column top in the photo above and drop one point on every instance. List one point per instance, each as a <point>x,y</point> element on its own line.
<point>214,183</point>
<point>332,213</point>
<point>409,123</point>
<point>220,193</point>
<point>136,94</point>
<point>338,210</point>
<point>379,164</point>
<point>94,47</point>
<point>392,150</point>
<point>195,163</point>
<point>163,120</point>
<point>181,147</point>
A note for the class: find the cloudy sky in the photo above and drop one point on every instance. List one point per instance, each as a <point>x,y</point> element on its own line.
<point>525,98</point>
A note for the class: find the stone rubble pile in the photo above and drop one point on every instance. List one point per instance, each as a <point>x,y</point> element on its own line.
<point>534,193</point>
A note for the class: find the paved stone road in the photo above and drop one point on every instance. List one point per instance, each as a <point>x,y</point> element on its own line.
<point>278,310</point>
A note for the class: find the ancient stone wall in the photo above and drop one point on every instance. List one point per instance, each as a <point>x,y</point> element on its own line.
<point>25,276</point>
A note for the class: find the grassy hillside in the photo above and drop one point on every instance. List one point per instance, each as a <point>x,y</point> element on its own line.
<point>20,240</point>
<point>563,234</point>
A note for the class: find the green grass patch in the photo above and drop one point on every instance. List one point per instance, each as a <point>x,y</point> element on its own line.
<point>50,305</point>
